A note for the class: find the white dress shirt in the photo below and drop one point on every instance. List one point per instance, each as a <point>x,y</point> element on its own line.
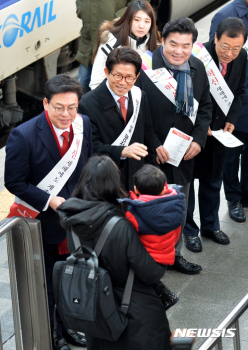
<point>116,97</point>
<point>58,132</point>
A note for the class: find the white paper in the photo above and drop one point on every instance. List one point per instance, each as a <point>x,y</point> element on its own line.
<point>176,144</point>
<point>227,139</point>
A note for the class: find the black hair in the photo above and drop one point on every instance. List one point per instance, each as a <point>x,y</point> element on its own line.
<point>149,180</point>
<point>62,83</point>
<point>124,55</point>
<point>180,25</point>
<point>100,181</point>
<point>232,27</point>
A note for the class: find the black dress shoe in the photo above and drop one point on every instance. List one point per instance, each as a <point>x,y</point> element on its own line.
<point>61,345</point>
<point>236,212</point>
<point>74,338</point>
<point>194,244</point>
<point>184,266</point>
<point>216,236</point>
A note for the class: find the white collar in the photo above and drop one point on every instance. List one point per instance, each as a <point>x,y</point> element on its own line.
<point>115,97</point>
<point>59,132</point>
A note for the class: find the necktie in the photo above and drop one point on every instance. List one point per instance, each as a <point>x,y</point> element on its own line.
<point>123,107</point>
<point>65,146</point>
<point>224,69</point>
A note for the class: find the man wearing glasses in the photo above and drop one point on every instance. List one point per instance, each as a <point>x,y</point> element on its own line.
<point>230,59</point>
<point>120,115</point>
<point>44,160</point>
<point>236,191</point>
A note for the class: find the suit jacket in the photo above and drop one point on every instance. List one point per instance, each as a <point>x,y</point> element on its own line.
<point>107,124</point>
<point>238,9</point>
<point>164,116</point>
<point>31,153</point>
<point>210,162</point>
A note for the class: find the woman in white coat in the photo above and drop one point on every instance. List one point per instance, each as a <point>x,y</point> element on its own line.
<point>136,29</point>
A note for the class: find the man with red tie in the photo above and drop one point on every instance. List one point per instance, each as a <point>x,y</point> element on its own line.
<point>120,115</point>
<point>44,159</point>
<point>227,91</point>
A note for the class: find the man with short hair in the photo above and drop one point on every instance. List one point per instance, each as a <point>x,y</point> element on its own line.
<point>120,116</point>
<point>189,83</point>
<point>230,59</point>
<point>236,191</point>
<point>44,160</point>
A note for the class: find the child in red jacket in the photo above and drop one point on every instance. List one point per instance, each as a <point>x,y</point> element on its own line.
<point>157,213</point>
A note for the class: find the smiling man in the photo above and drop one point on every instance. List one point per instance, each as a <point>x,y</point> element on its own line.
<point>230,59</point>
<point>189,111</point>
<point>120,115</point>
<point>56,142</point>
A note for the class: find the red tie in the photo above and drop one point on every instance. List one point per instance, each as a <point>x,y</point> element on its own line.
<point>65,146</point>
<point>224,69</point>
<point>123,107</point>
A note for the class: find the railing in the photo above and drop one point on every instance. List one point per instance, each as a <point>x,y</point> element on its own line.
<point>231,321</point>
<point>28,284</point>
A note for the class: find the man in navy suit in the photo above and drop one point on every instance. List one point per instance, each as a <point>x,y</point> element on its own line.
<point>32,151</point>
<point>236,191</point>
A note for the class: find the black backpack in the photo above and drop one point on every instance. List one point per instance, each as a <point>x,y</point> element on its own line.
<point>84,295</point>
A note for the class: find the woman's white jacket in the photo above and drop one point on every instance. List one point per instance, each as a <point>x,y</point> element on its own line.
<point>98,75</point>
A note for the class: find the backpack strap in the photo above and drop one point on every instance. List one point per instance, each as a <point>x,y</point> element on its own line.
<point>98,248</point>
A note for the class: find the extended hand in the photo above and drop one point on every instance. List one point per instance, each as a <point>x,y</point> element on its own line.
<point>55,201</point>
<point>192,151</point>
<point>162,155</point>
<point>228,127</point>
<point>136,151</point>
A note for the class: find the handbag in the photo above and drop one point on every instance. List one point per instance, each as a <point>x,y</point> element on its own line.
<point>84,294</point>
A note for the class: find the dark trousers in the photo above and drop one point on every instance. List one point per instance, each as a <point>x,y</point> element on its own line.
<point>179,244</point>
<point>209,203</point>
<point>51,255</point>
<point>235,190</point>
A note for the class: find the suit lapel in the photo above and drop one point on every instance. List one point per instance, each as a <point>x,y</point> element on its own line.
<point>45,134</point>
<point>130,107</point>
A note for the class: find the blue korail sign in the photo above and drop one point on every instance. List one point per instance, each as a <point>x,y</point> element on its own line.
<point>13,27</point>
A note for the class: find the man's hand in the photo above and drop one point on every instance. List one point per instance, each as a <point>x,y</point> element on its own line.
<point>192,151</point>
<point>228,127</point>
<point>136,151</point>
<point>209,131</point>
<point>162,155</point>
<point>55,201</point>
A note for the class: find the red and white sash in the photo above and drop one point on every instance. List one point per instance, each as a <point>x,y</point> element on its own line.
<point>55,180</point>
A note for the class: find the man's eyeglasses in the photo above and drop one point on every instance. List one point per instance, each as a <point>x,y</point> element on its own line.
<point>119,77</point>
<point>226,48</point>
<point>60,110</point>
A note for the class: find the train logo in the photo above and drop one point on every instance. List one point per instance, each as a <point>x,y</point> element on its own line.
<point>12,27</point>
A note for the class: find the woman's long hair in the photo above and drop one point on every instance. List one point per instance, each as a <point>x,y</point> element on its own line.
<point>121,28</point>
<point>100,181</point>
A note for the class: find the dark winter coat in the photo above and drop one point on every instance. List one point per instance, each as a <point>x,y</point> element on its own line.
<point>148,325</point>
<point>210,162</point>
<point>164,116</point>
<point>158,221</point>
<point>238,9</point>
<point>107,124</point>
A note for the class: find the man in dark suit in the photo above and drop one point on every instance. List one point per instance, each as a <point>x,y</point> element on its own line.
<point>236,191</point>
<point>192,88</point>
<point>110,118</point>
<point>32,151</point>
<point>226,51</point>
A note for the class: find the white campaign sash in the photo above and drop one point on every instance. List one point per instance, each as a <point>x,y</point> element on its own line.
<point>165,82</point>
<point>218,86</point>
<point>125,137</point>
<point>245,46</point>
<point>55,180</point>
